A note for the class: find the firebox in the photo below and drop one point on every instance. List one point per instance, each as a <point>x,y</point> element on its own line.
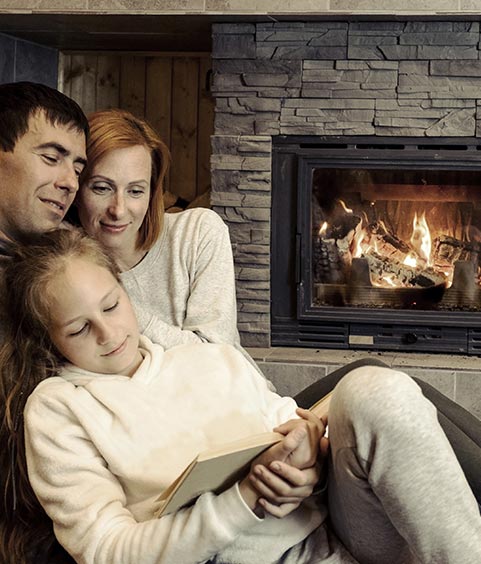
<point>376,243</point>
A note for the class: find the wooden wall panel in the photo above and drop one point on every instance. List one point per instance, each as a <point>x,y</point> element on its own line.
<point>158,100</point>
<point>132,84</point>
<point>170,91</point>
<point>183,175</point>
<point>205,127</point>
<point>108,82</point>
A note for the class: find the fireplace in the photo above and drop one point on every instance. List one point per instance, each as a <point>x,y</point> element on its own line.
<point>377,99</point>
<point>376,243</point>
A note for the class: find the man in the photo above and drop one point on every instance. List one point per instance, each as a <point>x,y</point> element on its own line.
<point>42,153</point>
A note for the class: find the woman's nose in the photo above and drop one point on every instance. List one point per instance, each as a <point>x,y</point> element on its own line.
<point>117,206</point>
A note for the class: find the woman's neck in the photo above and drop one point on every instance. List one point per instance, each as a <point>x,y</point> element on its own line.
<point>125,260</point>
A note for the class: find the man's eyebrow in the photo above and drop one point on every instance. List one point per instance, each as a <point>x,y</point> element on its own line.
<point>62,150</point>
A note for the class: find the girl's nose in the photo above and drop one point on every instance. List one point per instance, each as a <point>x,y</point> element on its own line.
<point>104,333</point>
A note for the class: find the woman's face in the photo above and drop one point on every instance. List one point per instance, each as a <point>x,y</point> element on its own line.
<point>92,322</point>
<point>113,201</point>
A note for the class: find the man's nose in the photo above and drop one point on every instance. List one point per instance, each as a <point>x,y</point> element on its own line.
<point>68,179</point>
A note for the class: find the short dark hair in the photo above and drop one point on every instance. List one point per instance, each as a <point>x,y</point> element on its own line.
<point>20,100</point>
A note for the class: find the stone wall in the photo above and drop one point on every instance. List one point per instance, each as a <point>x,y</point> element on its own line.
<point>257,7</point>
<point>324,78</point>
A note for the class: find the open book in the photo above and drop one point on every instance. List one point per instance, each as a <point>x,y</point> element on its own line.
<point>219,468</point>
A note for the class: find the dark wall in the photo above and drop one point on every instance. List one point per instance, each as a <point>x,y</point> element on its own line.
<point>23,60</point>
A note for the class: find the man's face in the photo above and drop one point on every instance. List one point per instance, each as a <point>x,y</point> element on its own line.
<point>39,179</point>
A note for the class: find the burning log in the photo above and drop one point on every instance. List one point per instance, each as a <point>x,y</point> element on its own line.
<point>386,271</point>
<point>331,251</point>
<point>448,250</point>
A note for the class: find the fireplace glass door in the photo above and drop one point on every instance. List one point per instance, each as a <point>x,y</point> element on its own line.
<point>395,238</point>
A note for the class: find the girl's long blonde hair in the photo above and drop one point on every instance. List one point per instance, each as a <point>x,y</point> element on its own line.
<point>27,356</point>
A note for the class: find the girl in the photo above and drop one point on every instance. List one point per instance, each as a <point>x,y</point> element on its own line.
<point>113,419</point>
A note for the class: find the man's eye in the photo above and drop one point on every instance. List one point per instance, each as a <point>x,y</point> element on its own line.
<point>51,159</point>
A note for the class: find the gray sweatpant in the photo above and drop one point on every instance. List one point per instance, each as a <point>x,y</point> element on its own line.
<point>396,492</point>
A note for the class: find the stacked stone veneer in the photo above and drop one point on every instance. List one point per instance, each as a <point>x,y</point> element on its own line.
<point>324,78</point>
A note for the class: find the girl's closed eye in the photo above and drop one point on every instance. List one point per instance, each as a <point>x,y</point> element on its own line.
<point>81,331</point>
<point>112,307</point>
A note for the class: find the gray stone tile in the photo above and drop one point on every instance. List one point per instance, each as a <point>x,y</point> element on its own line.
<point>442,380</point>
<point>290,379</point>
<point>7,58</point>
<point>468,391</point>
<point>36,63</point>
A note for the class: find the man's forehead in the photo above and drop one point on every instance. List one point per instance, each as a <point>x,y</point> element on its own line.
<point>42,130</point>
<point>38,122</point>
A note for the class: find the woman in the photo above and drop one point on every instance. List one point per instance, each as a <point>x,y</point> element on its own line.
<point>120,417</point>
<point>177,268</point>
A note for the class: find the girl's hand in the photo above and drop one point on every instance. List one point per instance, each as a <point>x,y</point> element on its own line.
<point>281,487</point>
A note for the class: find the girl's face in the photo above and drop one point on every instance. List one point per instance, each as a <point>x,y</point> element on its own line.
<point>113,201</point>
<point>93,324</point>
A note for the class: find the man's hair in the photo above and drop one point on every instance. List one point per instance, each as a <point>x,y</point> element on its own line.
<point>20,100</point>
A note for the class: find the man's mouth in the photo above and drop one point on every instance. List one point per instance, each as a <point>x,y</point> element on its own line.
<point>54,204</point>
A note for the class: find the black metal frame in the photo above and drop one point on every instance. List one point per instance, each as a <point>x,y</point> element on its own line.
<point>294,321</point>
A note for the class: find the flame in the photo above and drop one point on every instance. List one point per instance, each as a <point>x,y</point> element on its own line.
<point>357,242</point>
<point>421,238</point>
<point>322,229</point>
<point>344,207</point>
<point>410,260</point>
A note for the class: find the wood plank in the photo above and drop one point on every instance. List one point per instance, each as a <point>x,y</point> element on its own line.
<point>158,100</point>
<point>184,128</point>
<point>108,82</point>
<point>132,84</point>
<point>205,126</point>
<point>63,82</point>
<point>83,74</point>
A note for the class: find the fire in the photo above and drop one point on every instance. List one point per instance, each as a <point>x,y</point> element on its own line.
<point>323,229</point>
<point>421,238</point>
<point>359,236</point>
<point>410,260</point>
<point>344,207</point>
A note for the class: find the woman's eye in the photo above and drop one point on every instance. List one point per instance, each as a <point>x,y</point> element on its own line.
<point>137,192</point>
<point>100,188</point>
<point>111,308</point>
<point>80,331</point>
